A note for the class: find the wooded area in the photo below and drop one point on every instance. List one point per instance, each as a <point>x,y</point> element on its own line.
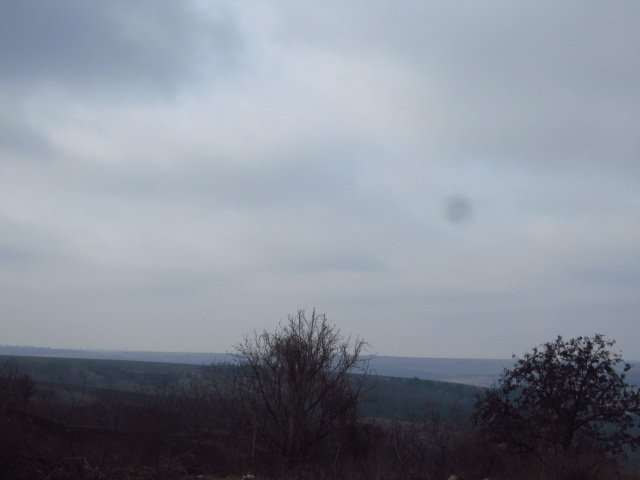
<point>300,402</point>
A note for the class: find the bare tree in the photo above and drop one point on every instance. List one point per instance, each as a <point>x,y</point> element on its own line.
<point>300,383</point>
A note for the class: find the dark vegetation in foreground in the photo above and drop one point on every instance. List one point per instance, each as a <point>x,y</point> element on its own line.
<point>300,403</point>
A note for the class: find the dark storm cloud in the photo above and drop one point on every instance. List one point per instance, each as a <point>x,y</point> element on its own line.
<point>140,44</point>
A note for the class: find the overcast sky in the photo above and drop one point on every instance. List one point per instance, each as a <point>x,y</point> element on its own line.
<point>456,179</point>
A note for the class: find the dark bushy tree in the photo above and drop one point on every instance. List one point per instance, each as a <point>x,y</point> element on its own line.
<point>299,381</point>
<point>565,397</point>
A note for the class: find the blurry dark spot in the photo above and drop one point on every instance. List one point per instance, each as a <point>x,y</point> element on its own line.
<point>458,209</point>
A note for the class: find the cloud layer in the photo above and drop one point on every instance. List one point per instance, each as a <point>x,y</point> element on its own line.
<point>443,180</point>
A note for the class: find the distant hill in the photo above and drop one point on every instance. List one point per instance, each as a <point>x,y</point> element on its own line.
<point>408,398</point>
<point>478,372</point>
<point>125,375</point>
<point>469,371</point>
<point>390,397</point>
<point>191,358</point>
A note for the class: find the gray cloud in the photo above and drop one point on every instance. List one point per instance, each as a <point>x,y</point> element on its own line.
<point>16,135</point>
<point>309,157</point>
<point>100,47</point>
<point>541,83</point>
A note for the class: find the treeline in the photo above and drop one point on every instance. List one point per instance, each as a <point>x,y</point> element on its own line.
<point>206,425</point>
<point>294,405</point>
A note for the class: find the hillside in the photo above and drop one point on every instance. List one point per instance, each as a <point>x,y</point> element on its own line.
<point>481,372</point>
<point>471,371</point>
<point>391,397</point>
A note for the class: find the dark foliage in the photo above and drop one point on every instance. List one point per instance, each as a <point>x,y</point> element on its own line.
<point>209,422</point>
<point>565,398</point>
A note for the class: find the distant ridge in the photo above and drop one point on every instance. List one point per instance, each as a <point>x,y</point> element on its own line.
<point>481,372</point>
<point>469,371</point>
<point>190,358</point>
